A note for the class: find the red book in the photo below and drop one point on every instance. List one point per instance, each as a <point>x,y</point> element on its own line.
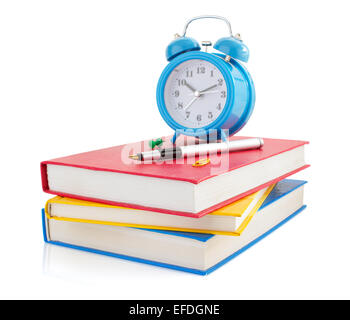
<point>109,176</point>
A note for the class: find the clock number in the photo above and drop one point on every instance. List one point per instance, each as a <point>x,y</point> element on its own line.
<point>180,105</point>
<point>220,82</point>
<point>223,94</point>
<point>199,117</point>
<point>188,114</point>
<point>189,74</point>
<point>176,93</point>
<point>181,82</point>
<point>212,73</point>
<point>200,70</point>
<point>210,115</point>
<point>219,106</point>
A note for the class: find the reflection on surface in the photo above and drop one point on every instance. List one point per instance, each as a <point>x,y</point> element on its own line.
<point>81,266</point>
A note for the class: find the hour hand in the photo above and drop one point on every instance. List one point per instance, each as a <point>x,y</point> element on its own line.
<point>190,87</point>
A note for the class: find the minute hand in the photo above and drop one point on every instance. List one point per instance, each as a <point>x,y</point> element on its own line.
<point>215,91</point>
<point>207,89</point>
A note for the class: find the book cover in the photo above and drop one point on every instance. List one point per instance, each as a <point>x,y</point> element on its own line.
<point>111,160</point>
<point>235,209</point>
<point>284,188</point>
<point>199,237</point>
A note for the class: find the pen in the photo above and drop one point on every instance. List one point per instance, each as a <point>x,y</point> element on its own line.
<point>199,149</point>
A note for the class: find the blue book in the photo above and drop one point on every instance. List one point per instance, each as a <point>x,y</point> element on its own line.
<point>198,253</point>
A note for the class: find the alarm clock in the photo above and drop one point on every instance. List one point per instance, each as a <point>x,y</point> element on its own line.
<point>209,95</point>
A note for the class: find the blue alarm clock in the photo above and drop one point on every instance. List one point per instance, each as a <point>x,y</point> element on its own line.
<point>207,95</point>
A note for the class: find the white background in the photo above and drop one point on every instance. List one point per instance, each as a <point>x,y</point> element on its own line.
<point>81,75</point>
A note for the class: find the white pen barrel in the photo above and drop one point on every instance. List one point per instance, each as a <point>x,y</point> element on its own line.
<point>211,148</point>
<point>245,144</point>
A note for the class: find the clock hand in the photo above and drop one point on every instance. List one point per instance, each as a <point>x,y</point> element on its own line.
<point>190,87</point>
<point>198,94</point>
<point>190,103</point>
<point>215,91</point>
<point>211,87</point>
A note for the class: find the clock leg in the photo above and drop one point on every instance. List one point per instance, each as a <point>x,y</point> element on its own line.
<point>173,139</point>
<point>223,136</point>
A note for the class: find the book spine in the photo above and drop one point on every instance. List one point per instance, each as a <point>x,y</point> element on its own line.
<point>44,181</point>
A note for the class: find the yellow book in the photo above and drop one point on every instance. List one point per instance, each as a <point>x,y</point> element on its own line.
<point>229,220</point>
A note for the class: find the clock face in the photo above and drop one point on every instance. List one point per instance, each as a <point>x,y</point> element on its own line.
<point>195,93</point>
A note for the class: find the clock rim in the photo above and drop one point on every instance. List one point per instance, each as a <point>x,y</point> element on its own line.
<point>223,67</point>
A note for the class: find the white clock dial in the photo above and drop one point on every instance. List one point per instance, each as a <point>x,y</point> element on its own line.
<point>195,93</point>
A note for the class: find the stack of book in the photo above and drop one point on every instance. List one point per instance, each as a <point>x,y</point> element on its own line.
<point>173,215</point>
